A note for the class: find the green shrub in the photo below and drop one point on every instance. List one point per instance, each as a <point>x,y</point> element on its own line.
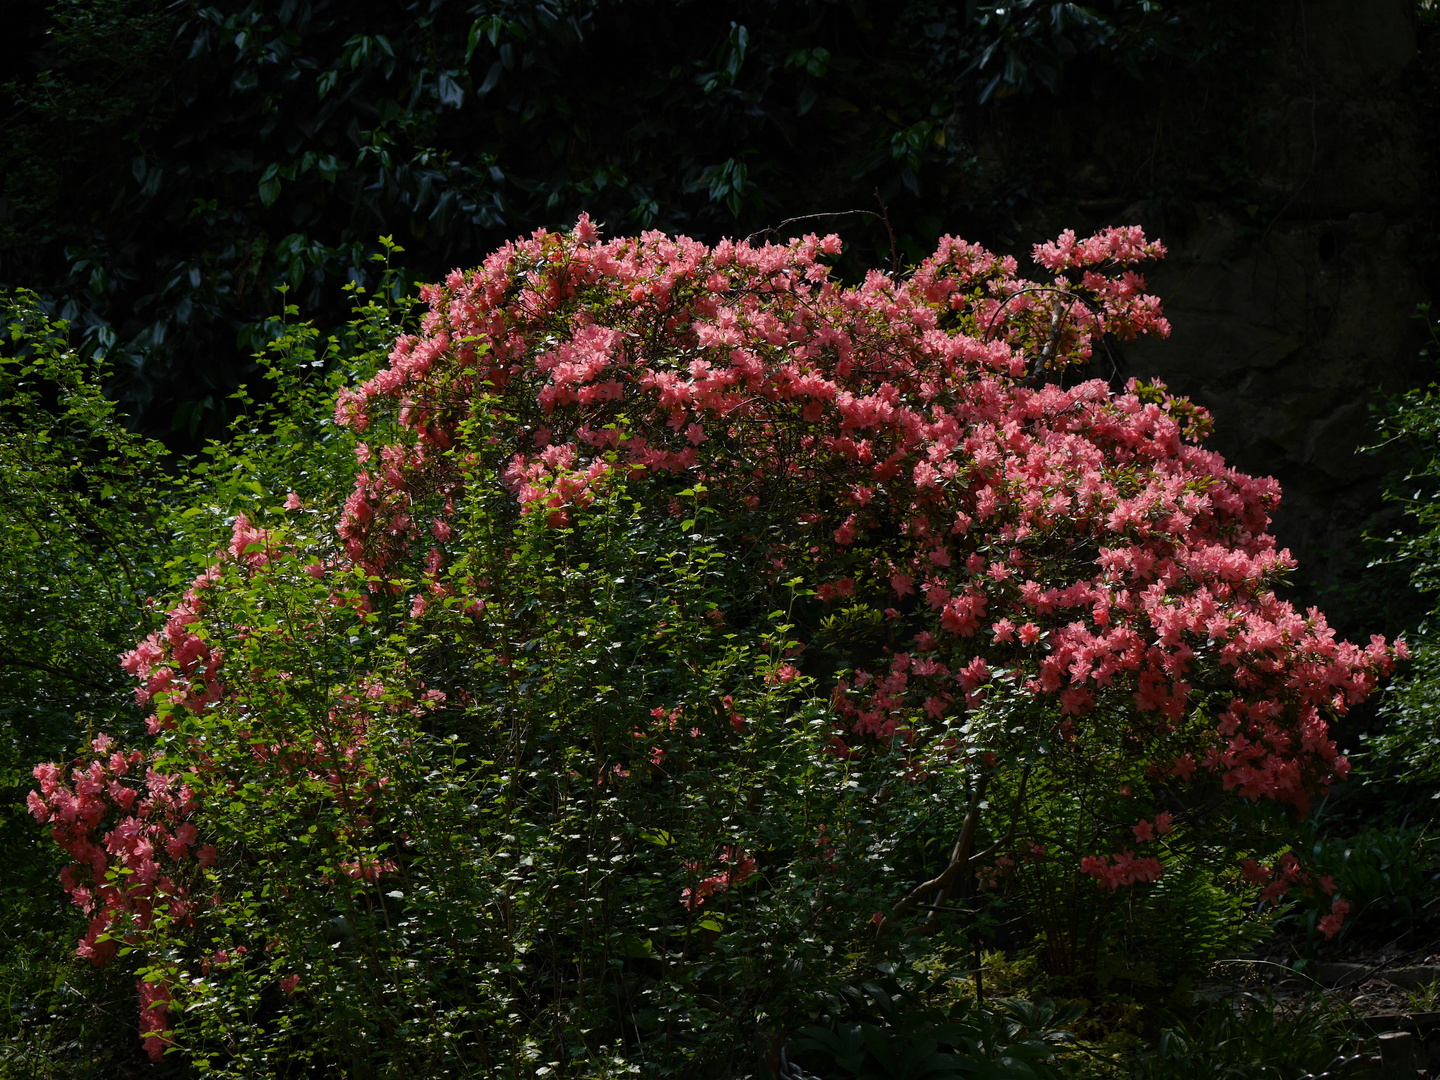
<point>1388,874</point>
<point>876,1031</point>
<point>82,543</point>
<point>94,523</point>
<point>1405,750</point>
<point>1253,1038</point>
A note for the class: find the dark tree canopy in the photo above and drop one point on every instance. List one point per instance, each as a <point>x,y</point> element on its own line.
<point>165,167</point>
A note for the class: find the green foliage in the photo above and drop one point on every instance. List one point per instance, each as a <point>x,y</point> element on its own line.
<point>1195,915</point>
<point>283,436</point>
<point>1387,874</point>
<point>1405,750</point>
<point>1253,1038</point>
<point>535,832</point>
<point>81,504</point>
<point>91,527</point>
<point>78,495</point>
<point>879,1031</point>
<point>1149,938</point>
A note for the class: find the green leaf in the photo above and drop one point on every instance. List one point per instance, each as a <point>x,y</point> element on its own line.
<point>270,185</point>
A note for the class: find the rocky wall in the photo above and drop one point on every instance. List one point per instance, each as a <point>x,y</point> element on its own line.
<point>1292,291</point>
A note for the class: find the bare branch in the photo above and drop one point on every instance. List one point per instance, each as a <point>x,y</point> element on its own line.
<point>961,859</point>
<point>958,861</point>
<point>772,230</point>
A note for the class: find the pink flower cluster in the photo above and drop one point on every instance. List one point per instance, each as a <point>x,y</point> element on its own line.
<point>1145,832</point>
<point>136,851</point>
<point>739,866</point>
<point>1286,874</point>
<point>368,869</point>
<point>155,1001</point>
<point>176,662</point>
<point>147,852</point>
<point>1126,868</point>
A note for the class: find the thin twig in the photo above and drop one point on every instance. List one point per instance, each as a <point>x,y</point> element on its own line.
<point>884,216</point>
<point>990,323</point>
<point>772,230</point>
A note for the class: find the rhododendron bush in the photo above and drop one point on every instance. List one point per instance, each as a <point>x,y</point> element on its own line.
<point>769,614</point>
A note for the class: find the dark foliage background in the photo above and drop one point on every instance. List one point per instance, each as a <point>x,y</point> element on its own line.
<point>166,165</point>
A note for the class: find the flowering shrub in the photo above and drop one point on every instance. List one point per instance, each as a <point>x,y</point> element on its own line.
<point>1076,542</point>
<point>725,572</point>
<point>1070,554</point>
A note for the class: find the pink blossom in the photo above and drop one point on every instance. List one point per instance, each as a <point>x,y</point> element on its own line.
<point>1330,924</point>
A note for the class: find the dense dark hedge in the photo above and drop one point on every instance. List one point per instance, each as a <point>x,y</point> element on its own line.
<point>165,166</point>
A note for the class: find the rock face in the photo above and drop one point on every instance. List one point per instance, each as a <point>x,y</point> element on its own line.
<point>1291,290</point>
<point>1286,328</point>
<point>1343,975</point>
<point>1287,340</point>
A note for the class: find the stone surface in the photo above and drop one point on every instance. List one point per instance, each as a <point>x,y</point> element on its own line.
<point>1412,977</point>
<point>1341,974</point>
<point>1289,322</point>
